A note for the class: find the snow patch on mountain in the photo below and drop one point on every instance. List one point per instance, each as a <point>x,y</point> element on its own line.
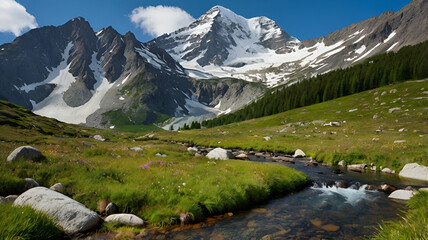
<point>367,53</point>
<point>54,105</point>
<point>390,36</point>
<point>392,47</point>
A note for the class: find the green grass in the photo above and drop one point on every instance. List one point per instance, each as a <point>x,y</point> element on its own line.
<point>11,185</point>
<point>179,183</point>
<point>92,171</point>
<point>353,141</point>
<point>24,223</point>
<point>413,224</point>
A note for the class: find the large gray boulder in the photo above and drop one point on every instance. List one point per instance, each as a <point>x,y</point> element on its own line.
<point>220,154</point>
<point>125,219</point>
<point>72,216</point>
<point>415,171</point>
<point>26,152</point>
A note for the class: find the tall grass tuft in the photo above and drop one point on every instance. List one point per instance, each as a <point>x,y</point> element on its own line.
<point>413,225</point>
<point>24,223</point>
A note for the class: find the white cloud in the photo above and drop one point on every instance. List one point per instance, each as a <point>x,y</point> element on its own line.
<point>14,17</point>
<point>160,19</point>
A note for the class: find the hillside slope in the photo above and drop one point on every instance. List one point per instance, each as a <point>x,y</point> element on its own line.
<point>386,126</point>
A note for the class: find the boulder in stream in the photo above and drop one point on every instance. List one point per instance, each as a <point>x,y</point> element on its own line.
<point>402,194</point>
<point>220,154</point>
<point>242,156</point>
<point>299,154</point>
<point>357,167</point>
<point>415,171</point>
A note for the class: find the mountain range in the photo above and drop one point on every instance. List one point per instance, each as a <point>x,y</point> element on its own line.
<point>216,65</point>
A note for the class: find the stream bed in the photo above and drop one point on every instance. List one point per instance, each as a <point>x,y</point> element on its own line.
<point>322,211</point>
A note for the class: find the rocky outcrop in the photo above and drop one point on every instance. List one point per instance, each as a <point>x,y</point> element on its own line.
<point>72,216</point>
<point>220,154</point>
<point>125,219</point>
<point>415,171</point>
<point>27,153</point>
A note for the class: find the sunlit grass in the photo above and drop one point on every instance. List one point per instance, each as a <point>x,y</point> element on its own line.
<point>355,141</point>
<point>412,225</point>
<point>157,188</point>
<point>26,224</point>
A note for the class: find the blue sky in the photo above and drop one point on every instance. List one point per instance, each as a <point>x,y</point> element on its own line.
<point>302,19</point>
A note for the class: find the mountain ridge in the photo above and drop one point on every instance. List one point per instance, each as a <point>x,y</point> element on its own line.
<point>190,74</point>
<point>92,74</point>
<point>300,59</point>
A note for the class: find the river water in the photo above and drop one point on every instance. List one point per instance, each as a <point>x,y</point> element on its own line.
<point>317,212</point>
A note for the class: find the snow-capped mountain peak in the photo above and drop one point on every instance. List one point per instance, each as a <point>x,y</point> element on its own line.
<point>219,36</point>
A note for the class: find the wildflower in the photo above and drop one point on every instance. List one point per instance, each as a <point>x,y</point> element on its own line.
<point>184,184</point>
<point>179,186</point>
<point>190,189</point>
<point>158,182</point>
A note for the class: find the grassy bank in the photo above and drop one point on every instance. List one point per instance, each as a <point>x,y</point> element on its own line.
<point>155,188</point>
<point>413,224</point>
<point>24,223</point>
<point>401,136</point>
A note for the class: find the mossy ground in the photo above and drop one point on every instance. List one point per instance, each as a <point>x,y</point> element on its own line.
<point>355,141</point>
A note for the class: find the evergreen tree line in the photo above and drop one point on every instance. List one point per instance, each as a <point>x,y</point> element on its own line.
<point>409,63</point>
<point>193,125</point>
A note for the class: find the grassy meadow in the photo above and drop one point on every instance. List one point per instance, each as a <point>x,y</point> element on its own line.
<point>159,188</point>
<point>370,131</point>
<point>155,188</point>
